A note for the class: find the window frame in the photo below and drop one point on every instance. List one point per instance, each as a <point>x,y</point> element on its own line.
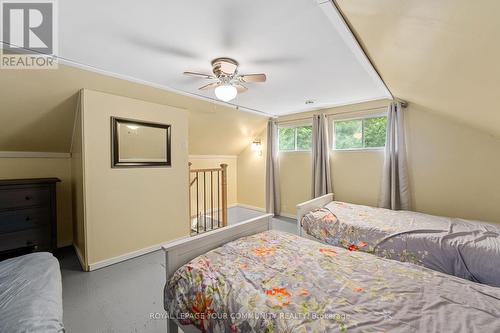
<point>294,126</point>
<point>361,117</point>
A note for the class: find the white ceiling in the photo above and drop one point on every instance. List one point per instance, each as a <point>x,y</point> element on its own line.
<point>302,45</point>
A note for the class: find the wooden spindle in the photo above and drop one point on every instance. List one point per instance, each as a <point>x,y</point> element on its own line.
<point>211,200</point>
<point>189,186</point>
<point>197,204</point>
<point>218,199</point>
<point>224,194</point>
<point>204,201</point>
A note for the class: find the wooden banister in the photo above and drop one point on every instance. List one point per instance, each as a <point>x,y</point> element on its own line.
<point>224,194</point>
<point>189,188</point>
<point>206,170</point>
<point>213,201</point>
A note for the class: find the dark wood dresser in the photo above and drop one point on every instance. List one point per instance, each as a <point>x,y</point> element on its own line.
<point>28,217</point>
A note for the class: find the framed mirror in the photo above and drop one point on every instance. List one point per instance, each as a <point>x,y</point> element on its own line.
<point>139,144</point>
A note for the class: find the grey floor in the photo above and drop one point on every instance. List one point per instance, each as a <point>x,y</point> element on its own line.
<point>126,297</point>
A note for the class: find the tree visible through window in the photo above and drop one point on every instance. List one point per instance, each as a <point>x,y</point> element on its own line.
<point>287,139</point>
<point>295,138</point>
<point>360,133</point>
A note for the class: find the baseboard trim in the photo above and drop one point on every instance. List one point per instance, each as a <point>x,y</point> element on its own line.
<point>138,253</point>
<point>130,255</point>
<point>80,258</point>
<point>123,257</point>
<point>259,209</point>
<point>32,154</point>
<point>290,216</point>
<point>209,211</point>
<point>65,244</point>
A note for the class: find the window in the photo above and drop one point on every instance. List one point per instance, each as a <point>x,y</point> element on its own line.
<point>365,133</point>
<point>297,138</point>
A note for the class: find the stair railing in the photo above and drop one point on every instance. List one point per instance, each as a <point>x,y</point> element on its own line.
<point>207,198</point>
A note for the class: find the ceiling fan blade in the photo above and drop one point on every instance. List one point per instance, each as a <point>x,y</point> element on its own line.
<point>200,75</point>
<point>209,86</point>
<point>253,78</point>
<point>240,88</point>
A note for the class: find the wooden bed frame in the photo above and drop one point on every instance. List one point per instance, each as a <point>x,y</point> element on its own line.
<point>184,250</point>
<point>305,207</point>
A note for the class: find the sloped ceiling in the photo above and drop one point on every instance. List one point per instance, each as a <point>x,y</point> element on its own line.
<point>438,55</point>
<point>37,109</point>
<point>442,56</point>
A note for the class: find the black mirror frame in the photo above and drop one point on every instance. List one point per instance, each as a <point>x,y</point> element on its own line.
<point>115,158</point>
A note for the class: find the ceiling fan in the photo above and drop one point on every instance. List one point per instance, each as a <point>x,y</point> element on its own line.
<point>229,82</point>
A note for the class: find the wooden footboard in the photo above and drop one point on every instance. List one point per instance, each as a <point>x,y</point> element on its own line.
<point>182,251</point>
<point>305,207</point>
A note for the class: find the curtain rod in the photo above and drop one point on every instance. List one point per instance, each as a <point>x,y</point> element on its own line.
<point>332,114</point>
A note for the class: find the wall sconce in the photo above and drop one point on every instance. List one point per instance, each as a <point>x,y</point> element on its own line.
<point>257,147</point>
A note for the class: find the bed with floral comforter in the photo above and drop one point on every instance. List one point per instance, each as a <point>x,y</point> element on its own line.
<point>467,249</point>
<point>278,282</point>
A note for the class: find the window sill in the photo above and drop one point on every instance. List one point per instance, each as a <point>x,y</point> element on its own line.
<point>294,151</point>
<point>359,150</point>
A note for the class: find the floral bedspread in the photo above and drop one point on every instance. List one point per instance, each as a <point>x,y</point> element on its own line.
<point>278,282</point>
<point>466,249</point>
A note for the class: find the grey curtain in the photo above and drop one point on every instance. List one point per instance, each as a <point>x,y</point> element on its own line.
<point>273,201</point>
<point>395,191</point>
<point>321,179</point>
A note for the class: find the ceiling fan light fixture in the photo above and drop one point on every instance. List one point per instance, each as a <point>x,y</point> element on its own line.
<point>226,92</point>
<point>229,82</point>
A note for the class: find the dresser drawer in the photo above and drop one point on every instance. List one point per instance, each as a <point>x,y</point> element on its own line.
<point>28,213</point>
<point>23,219</point>
<point>39,237</point>
<point>24,197</point>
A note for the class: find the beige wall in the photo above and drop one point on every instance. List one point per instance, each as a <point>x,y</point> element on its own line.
<point>77,186</point>
<point>439,55</point>
<point>355,176</point>
<point>12,168</point>
<point>252,175</point>
<point>36,102</point>
<point>209,162</point>
<point>129,209</point>
<point>453,170</point>
<point>295,171</point>
<point>295,180</point>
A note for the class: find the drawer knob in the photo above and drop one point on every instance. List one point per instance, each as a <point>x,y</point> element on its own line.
<point>28,197</point>
<point>32,245</point>
<point>28,218</point>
